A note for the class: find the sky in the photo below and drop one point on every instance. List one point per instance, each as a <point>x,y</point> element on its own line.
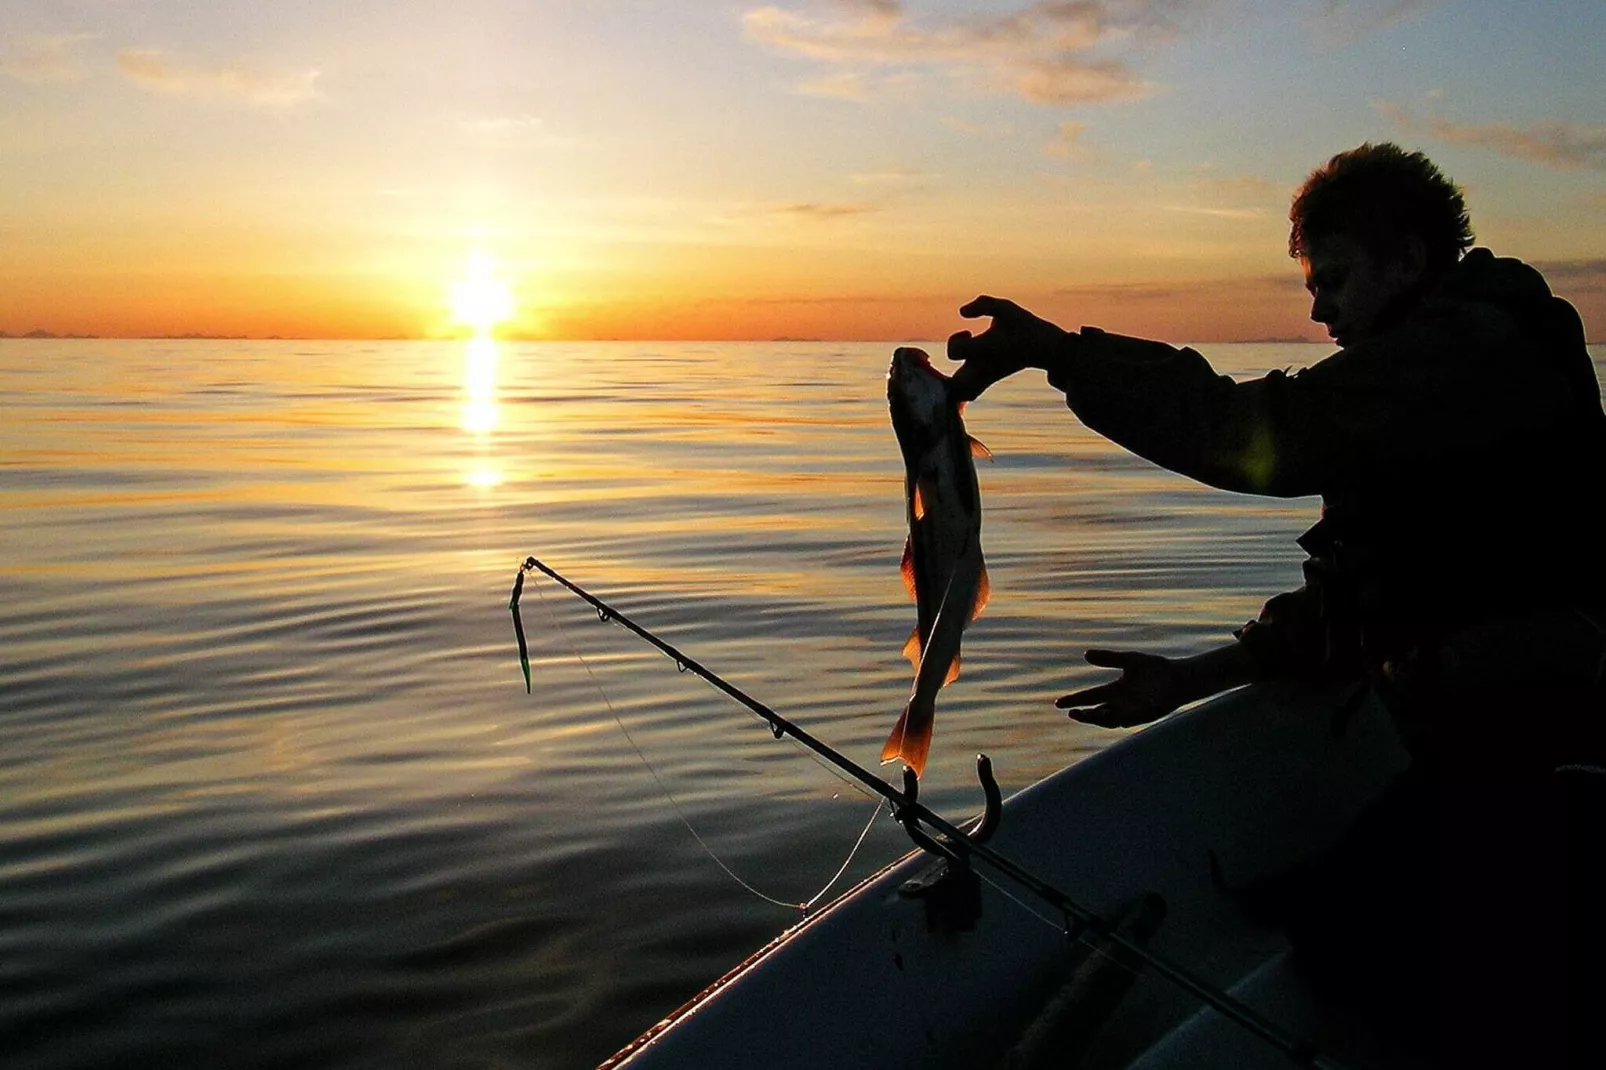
<point>699,169</point>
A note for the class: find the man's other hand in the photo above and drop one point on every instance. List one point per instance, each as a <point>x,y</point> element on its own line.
<point>1015,340</point>
<point>1149,687</point>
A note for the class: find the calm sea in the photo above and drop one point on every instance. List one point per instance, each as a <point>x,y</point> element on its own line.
<point>271,790</point>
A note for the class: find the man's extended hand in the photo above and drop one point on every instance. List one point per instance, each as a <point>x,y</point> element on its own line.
<point>1017,339</point>
<point>1150,687</point>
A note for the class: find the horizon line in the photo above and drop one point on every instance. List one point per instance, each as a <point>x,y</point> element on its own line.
<point>39,334</point>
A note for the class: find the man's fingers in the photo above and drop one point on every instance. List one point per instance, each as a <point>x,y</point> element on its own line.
<point>1098,717</point>
<point>1113,659</point>
<point>1088,696</point>
<point>988,306</point>
<point>969,381</point>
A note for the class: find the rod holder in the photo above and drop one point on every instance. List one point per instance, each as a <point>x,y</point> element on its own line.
<point>950,889</point>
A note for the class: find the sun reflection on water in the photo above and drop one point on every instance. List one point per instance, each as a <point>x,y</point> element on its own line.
<point>480,411</point>
<point>479,386</point>
<point>481,301</point>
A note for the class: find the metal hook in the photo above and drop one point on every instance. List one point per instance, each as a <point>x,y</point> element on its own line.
<point>905,816</point>
<point>980,832</point>
<point>950,890</point>
<point>993,806</point>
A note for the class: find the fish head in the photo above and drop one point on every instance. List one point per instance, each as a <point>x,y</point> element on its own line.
<point>917,393</point>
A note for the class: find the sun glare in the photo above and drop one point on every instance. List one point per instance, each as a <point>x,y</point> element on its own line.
<point>481,300</point>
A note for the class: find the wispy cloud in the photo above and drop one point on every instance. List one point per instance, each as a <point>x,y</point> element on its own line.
<point>1551,142</point>
<point>1216,213</point>
<point>889,179</point>
<point>515,131</point>
<point>801,213</point>
<point>842,85</point>
<point>260,87</point>
<point>964,126</point>
<point>43,58</point>
<point>1047,52</point>
<point>1351,19</point>
<point>1285,284</point>
<point>1250,186</point>
<point>821,210</point>
<point>1064,142</point>
<point>1574,275</point>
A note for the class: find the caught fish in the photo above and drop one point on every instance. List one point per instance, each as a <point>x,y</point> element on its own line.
<point>942,562</point>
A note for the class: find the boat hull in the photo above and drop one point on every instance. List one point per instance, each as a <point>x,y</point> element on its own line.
<point>1258,777</point>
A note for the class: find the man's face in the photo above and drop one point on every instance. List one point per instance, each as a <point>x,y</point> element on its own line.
<point>1350,290</point>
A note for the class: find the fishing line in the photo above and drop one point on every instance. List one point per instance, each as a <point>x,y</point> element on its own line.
<point>1075,933</point>
<point>674,803</point>
<point>911,813</point>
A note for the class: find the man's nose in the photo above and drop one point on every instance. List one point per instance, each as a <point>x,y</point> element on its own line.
<point>1321,309</point>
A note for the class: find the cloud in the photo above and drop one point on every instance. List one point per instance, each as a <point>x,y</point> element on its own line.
<point>150,69</point>
<point>842,85</point>
<point>518,131</point>
<point>963,126</point>
<point>817,210</point>
<point>1251,186</point>
<point>1065,138</point>
<point>889,178</point>
<point>1351,19</point>
<point>1045,52</point>
<point>1552,142</point>
<point>1217,213</point>
<point>43,59</point>
<point>805,213</point>
<point>1278,286</point>
<point>1574,274</point>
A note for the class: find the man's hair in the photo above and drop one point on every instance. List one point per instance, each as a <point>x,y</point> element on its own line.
<point>1379,195</point>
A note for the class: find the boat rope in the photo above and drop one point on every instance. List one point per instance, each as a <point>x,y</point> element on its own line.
<point>908,810</point>
<point>803,907</point>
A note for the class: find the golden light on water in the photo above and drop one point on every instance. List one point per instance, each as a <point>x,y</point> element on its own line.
<point>479,386</point>
<point>480,301</point>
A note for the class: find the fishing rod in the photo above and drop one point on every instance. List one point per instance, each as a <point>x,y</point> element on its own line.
<point>907,809</point>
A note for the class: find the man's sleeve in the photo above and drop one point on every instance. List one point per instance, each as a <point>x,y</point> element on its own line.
<point>1290,637</point>
<point>1394,404</point>
<point>1169,406</point>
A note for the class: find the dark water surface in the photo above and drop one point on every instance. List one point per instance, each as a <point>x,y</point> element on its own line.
<point>271,790</point>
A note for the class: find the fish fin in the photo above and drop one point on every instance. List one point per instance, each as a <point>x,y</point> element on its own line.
<point>907,567</point>
<point>984,592</point>
<point>953,672</point>
<point>919,504</point>
<point>978,450</point>
<point>910,744</point>
<point>911,649</point>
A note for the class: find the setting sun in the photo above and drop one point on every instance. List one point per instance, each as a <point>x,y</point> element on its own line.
<point>481,300</point>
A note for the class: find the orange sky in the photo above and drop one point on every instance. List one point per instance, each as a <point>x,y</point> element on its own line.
<point>835,169</point>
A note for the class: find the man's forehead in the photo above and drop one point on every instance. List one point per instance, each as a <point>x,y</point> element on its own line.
<point>1332,249</point>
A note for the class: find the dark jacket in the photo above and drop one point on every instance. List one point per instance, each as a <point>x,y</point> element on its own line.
<point>1460,455</point>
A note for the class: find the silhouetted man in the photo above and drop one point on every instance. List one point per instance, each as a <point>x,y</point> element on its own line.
<point>1459,446</point>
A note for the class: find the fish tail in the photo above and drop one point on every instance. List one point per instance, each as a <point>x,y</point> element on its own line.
<point>910,740</point>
